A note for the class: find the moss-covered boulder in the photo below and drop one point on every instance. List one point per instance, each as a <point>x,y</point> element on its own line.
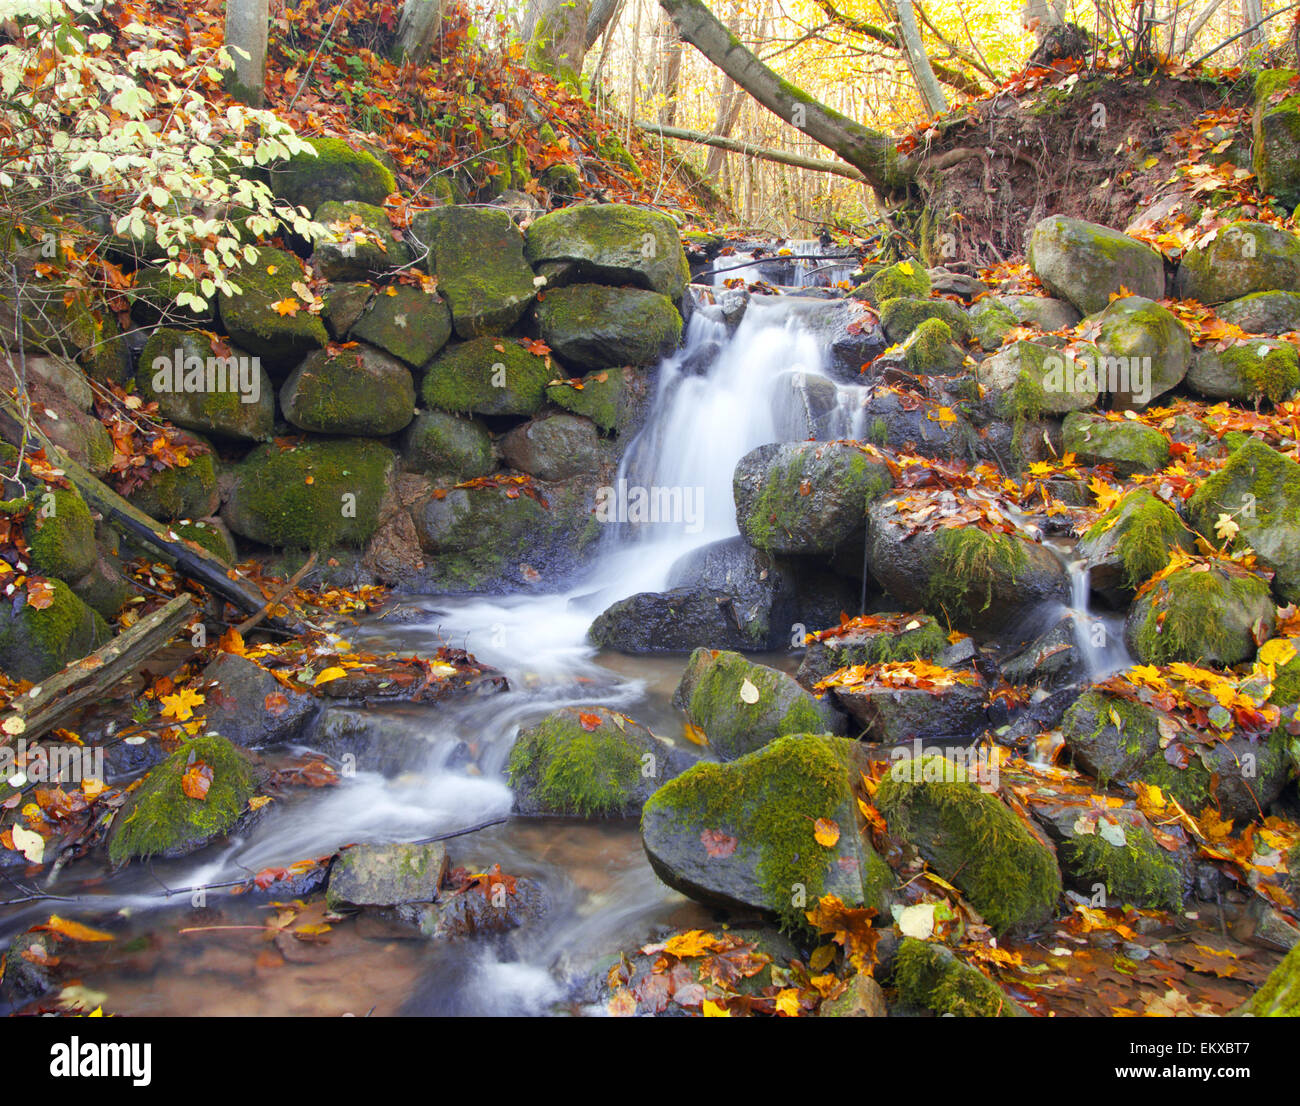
<point>599,396</point>
<point>1128,446</point>
<point>1210,615</point>
<point>905,278</point>
<point>1131,542</point>
<point>929,350</point>
<point>1110,737</point>
<point>1084,263</point>
<point>407,322</point>
<point>1044,312</point>
<point>896,638</point>
<point>593,326</point>
<point>161,818</point>
<point>484,521</point>
<point>227,395</point>
<point>742,834</point>
<point>1263,312</point>
<point>487,376</point>
<point>344,305</point>
<point>1275,134</point>
<point>989,322</point>
<point>210,534</point>
<point>1026,380</point>
<point>310,495</point>
<point>1260,490</point>
<point>253,319</point>
<point>359,242</point>
<point>335,172</point>
<point>386,875</point>
<point>553,447</point>
<point>590,762</point>
<point>1007,870</point>
<point>359,391</point>
<point>929,976</point>
<point>1243,258</point>
<point>612,244</point>
<point>1116,849</point>
<point>1145,351</point>
<point>984,582</point>
<point>1247,371</point>
<point>182,491</point>
<point>103,588</point>
<point>741,706</point>
<point>478,256</point>
<point>806,497</point>
<point>1239,776</point>
<point>60,535</point>
<point>155,292</point>
<point>901,315</point>
<point>448,447</point>
<point>36,643</point>
<point>1279,997</point>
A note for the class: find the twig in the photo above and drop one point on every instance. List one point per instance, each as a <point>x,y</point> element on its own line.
<point>271,604</point>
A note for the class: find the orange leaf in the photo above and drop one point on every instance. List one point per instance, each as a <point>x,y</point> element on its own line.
<point>197,780</point>
<point>589,722</point>
<point>826,832</point>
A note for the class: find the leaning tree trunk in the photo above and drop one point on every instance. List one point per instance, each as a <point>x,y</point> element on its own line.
<point>417,28</point>
<point>869,151</point>
<point>556,33</point>
<point>601,14</point>
<point>247,22</point>
<point>931,94</point>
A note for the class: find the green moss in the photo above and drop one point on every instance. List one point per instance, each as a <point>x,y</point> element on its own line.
<point>251,317</point>
<point>1148,531</point>
<point>1189,616</point>
<point>973,840</point>
<point>971,561</point>
<point>990,320</point>
<point>487,376</point>
<point>1130,446</point>
<point>907,278</point>
<point>1189,785</point>
<point>931,977</point>
<point>1138,731</point>
<point>1139,872</point>
<point>334,172</point>
<point>587,773</point>
<point>188,491</point>
<point>160,818</point>
<point>1286,687</point>
<point>350,252</point>
<point>879,433</point>
<point>1274,376</point>
<point>788,785</point>
<point>1279,997</point>
<point>903,314</point>
<point>209,537</point>
<point>929,349</point>
<point>60,535</point>
<point>599,398</point>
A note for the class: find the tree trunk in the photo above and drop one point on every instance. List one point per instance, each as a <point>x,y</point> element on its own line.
<point>556,33</point>
<point>869,151</point>
<point>917,61</point>
<point>1194,28</point>
<point>1042,17</point>
<point>1252,12</point>
<point>417,27</point>
<point>601,15</point>
<point>749,149</point>
<point>671,68</point>
<point>730,101</point>
<point>247,22</point>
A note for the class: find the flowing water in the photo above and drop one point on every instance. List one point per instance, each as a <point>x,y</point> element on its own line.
<point>440,768</point>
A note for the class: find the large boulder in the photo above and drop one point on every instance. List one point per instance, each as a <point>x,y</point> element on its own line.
<point>1084,263</point>
<point>900,422</point>
<point>1263,312</point>
<point>358,391</point>
<point>254,321</point>
<point>1145,351</point>
<point>1259,489</point>
<point>588,762</point>
<point>407,322</point>
<point>806,497</point>
<point>35,642</point>
<point>1242,258</point>
<point>1029,379</point>
<point>675,621</point>
<point>1210,615</point>
<point>553,447</point>
<point>1006,869</point>
<point>592,326</point>
<point>741,706</point>
<point>1131,542</point>
<point>310,495</point>
<point>1110,737</point>
<point>744,834</point>
<point>1249,371</point>
<point>901,315</point>
<point>359,242</point>
<point>60,535</point>
<point>487,376</point>
<point>953,708</point>
<point>611,244</point>
<point>1128,446</point>
<point>1275,134</point>
<point>333,171</point>
<point>226,395</point>
<point>600,396</point>
<point>478,255</point>
<point>179,492</point>
<point>447,447</point>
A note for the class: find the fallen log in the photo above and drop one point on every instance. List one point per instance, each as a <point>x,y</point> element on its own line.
<point>82,681</point>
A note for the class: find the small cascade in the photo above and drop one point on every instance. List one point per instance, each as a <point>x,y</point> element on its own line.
<point>1098,637</point>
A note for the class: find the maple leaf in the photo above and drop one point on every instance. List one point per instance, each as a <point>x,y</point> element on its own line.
<point>181,705</point>
<point>589,722</point>
<point>196,780</point>
<point>849,928</point>
<point>718,844</point>
<point>1225,527</point>
<point>287,306</point>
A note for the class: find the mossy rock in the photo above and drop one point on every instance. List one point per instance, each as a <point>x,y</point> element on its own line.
<point>310,495</point>
<point>478,256</point>
<point>358,391</point>
<point>478,520</point>
<point>154,295</point>
<point>590,762</point>
<point>742,706</point>
<point>903,314</point>
<point>386,875</point>
<point>1132,541</point>
<point>593,326</point>
<point>553,447</point>
<point>562,178</point>
<point>989,321</point>
<point>188,491</point>
<point>1044,312</point>
<point>1145,351</point>
<point>929,350</point>
<point>60,535</point>
<point>906,278</point>
<point>923,641</point>
<point>336,172</point>
<point>1110,737</point>
<point>1275,135</point>
<point>1263,312</point>
<point>487,376</point>
<point>35,643</point>
<point>103,588</point>
<point>1208,616</point>
<point>598,396</point>
<point>612,244</point>
<point>806,497</point>
<point>160,819</point>
<point>1084,263</point>
<point>251,318</point>
<point>448,447</point>
<point>1124,857</point>
<point>344,305</point>
<point>225,396</point>
<point>1260,489</point>
<point>1247,371</point>
<point>360,242</point>
<point>929,976</point>
<point>1128,446</point>
<point>742,834</point>
<point>408,322</point>
<point>1027,380</point>
<point>1244,257</point>
<point>973,840</point>
<point>1279,997</point>
<point>1239,776</point>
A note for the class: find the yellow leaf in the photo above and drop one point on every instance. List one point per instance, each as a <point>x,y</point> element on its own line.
<point>787,1003</point>
<point>713,1010</point>
<point>826,832</point>
<point>75,931</point>
<point>330,674</point>
<point>1278,650</point>
<point>181,705</point>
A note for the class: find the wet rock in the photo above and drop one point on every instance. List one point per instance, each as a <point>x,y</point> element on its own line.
<point>592,326</point>
<point>1052,659</point>
<point>863,998</point>
<point>386,875</point>
<point>247,705</point>
<point>902,315</point>
<point>1239,776</point>
<point>1109,737</point>
<point>742,706</point>
<point>1212,617</point>
<point>904,638</point>
<point>344,305</point>
<point>929,350</point>
<point>1130,543</point>
<point>675,621</point>
<point>553,447</point>
<point>60,535</point>
<point>1084,263</point>
<point>487,376</point>
<point>892,715</point>
<point>899,423</point>
<point>1243,258</point>
<point>472,914</point>
<point>1128,446</point>
<point>36,643</point>
<point>1260,924</point>
<point>28,971</point>
<point>600,396</point>
<point>929,976</point>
